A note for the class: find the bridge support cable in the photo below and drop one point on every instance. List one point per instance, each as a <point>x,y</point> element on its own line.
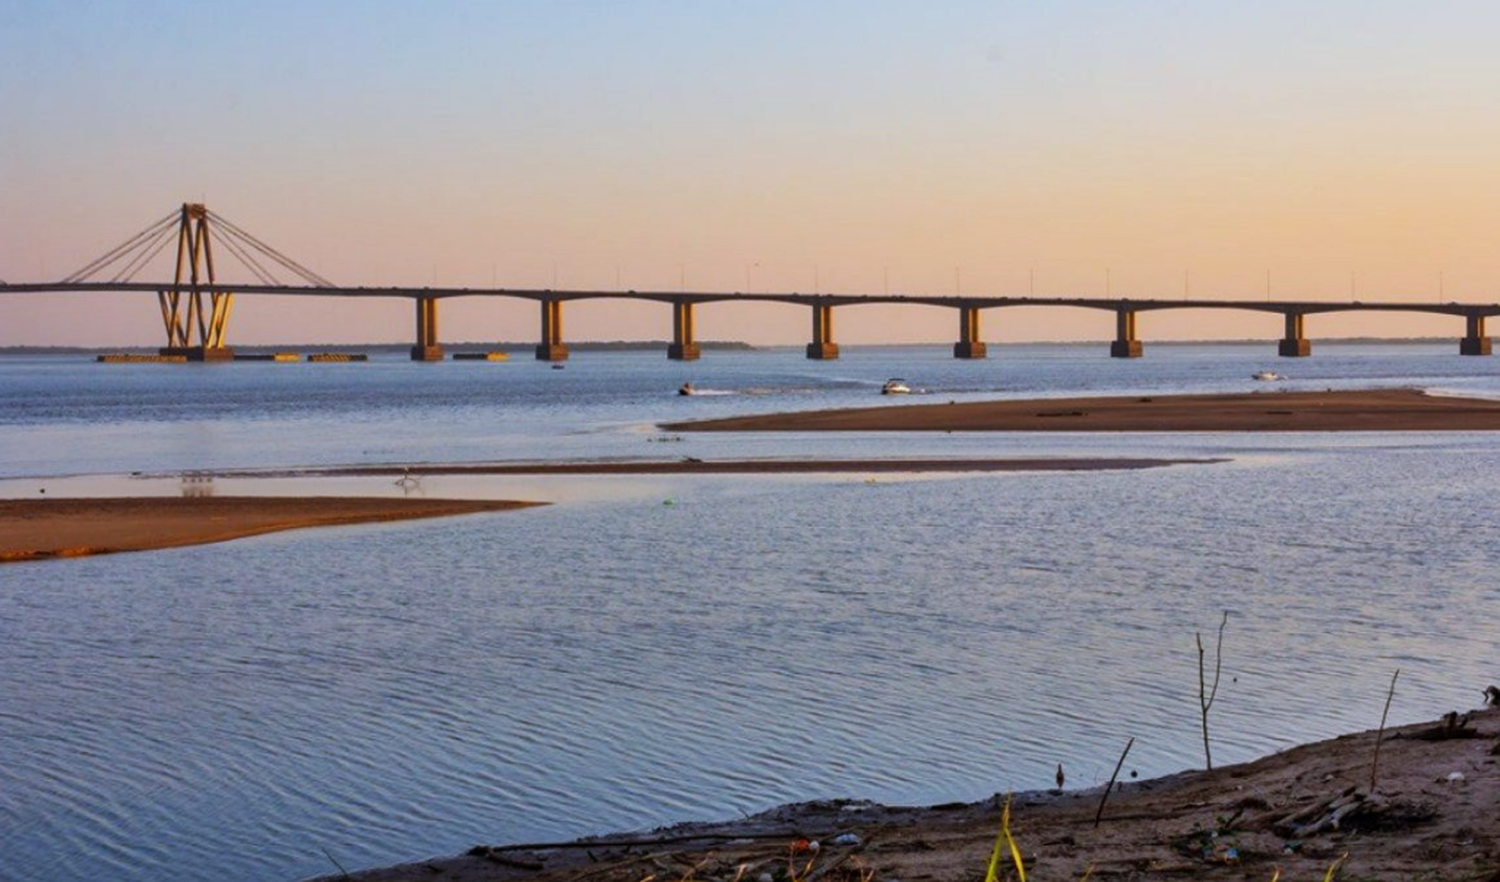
<point>552,347</point>
<point>1294,344</point>
<point>969,345</point>
<point>1125,344</point>
<point>148,242</point>
<point>427,347</point>
<point>684,347</point>
<point>195,327</point>
<point>822,346</point>
<point>1474,342</point>
<point>246,242</point>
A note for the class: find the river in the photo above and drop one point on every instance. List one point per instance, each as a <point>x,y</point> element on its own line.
<point>656,649</point>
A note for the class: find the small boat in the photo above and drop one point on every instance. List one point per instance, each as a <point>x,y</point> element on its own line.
<point>685,389</point>
<point>895,386</point>
<point>1267,376</point>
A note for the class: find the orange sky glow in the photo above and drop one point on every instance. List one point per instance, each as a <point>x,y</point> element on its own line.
<point>979,148</point>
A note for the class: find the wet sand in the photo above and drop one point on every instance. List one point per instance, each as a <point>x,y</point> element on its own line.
<point>1377,410</point>
<point>32,529</point>
<point>694,466</point>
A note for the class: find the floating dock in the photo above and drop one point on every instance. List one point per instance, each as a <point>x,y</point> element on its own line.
<point>267,356</point>
<point>140,358</point>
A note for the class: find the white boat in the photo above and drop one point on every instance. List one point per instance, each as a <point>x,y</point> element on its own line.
<point>895,386</point>
<point>1267,376</point>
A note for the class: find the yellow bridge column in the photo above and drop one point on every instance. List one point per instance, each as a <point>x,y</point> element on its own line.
<point>969,345</point>
<point>1294,344</point>
<point>194,332</point>
<point>822,345</point>
<point>1474,342</point>
<point>427,348</point>
<point>552,347</point>
<point>1125,344</point>
<point>683,347</point>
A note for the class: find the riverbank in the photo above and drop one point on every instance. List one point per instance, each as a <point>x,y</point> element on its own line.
<point>1373,410</point>
<point>33,529</point>
<point>1429,814</point>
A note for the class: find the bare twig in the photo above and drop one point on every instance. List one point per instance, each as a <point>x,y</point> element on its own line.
<point>1380,733</point>
<point>1111,786</point>
<point>1206,696</point>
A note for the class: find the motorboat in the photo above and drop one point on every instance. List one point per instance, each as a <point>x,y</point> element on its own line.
<point>1267,376</point>
<point>895,386</point>
<point>685,389</point>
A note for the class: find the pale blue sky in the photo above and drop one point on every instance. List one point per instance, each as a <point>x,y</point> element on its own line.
<point>460,143</point>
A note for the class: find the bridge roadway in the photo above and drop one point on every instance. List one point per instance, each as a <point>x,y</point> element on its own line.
<point>684,346</point>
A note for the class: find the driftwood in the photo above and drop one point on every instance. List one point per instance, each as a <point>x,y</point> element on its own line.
<point>1322,815</point>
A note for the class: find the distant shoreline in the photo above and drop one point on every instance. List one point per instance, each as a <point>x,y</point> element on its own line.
<point>1374,410</point>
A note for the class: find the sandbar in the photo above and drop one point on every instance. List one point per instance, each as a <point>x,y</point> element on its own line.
<point>1369,410</point>
<point>32,529</point>
<point>689,465</point>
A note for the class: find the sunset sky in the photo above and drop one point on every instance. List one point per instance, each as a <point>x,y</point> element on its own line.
<point>927,147</point>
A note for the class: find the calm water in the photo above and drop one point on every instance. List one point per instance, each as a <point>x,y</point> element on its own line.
<point>616,662</point>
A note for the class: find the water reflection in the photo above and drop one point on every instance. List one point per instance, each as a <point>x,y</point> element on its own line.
<point>197,484</point>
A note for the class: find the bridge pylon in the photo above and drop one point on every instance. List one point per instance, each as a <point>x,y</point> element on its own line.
<point>193,329</point>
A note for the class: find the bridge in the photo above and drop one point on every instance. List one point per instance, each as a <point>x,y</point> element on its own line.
<point>196,306</point>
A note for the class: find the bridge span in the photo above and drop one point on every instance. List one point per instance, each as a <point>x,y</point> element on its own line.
<point>197,328</point>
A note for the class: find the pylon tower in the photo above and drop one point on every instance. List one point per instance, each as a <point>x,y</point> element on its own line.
<point>194,330</point>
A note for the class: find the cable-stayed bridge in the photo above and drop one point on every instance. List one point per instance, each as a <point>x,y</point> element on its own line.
<point>196,304</point>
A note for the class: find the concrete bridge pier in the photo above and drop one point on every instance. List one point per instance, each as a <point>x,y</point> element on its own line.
<point>822,346</point>
<point>552,347</point>
<point>1125,344</point>
<point>969,345</point>
<point>683,346</point>
<point>428,348</point>
<point>1295,343</point>
<point>1474,341</point>
<point>200,353</point>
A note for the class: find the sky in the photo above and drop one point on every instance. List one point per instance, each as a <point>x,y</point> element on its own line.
<point>1069,148</point>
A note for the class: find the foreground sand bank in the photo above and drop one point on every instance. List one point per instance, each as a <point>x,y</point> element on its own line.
<point>40,528</point>
<point>1381,410</point>
<point>1431,816</point>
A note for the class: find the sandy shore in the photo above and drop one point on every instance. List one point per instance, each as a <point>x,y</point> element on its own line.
<point>1381,410</point>
<point>41,528</point>
<point>1430,815</point>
